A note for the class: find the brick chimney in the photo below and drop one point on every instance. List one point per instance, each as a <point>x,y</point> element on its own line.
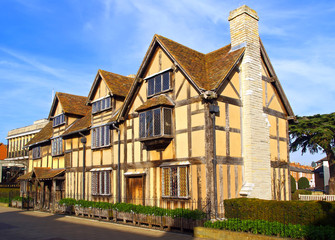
<point>255,129</point>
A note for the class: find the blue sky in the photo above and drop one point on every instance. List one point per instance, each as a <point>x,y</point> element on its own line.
<point>48,46</point>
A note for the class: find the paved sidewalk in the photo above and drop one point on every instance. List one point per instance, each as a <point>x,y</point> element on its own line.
<point>17,224</point>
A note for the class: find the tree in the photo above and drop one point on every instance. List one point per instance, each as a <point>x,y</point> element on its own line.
<point>293,184</point>
<point>303,183</point>
<point>315,134</point>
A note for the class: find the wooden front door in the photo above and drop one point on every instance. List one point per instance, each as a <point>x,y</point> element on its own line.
<point>135,190</point>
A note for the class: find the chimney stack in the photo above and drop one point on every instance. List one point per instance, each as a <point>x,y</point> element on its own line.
<point>255,130</point>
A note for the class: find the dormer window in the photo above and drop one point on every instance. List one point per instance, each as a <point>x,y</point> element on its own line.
<point>58,120</point>
<point>101,104</point>
<point>158,83</point>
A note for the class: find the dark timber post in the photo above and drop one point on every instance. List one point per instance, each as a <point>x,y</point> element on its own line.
<point>214,109</point>
<point>118,164</point>
<point>83,141</point>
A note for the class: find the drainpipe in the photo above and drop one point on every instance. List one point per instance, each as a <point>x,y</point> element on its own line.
<point>118,164</point>
<point>83,141</point>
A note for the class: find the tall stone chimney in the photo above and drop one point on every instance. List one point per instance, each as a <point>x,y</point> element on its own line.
<point>255,130</point>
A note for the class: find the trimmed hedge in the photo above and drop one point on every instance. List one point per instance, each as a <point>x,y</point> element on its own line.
<point>274,228</point>
<point>295,195</point>
<point>293,212</point>
<point>303,183</point>
<point>140,209</point>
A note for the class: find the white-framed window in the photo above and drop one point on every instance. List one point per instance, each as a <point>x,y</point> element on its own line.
<point>101,104</point>
<point>158,83</point>
<point>101,183</point>
<point>175,182</point>
<point>37,152</point>
<point>100,136</point>
<point>58,120</point>
<point>57,146</point>
<point>156,122</point>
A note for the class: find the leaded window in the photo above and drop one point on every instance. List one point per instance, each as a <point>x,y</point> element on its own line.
<point>101,183</point>
<point>57,146</point>
<point>175,181</point>
<point>58,120</point>
<point>156,122</point>
<point>101,104</point>
<point>37,152</point>
<point>158,83</point>
<point>100,136</point>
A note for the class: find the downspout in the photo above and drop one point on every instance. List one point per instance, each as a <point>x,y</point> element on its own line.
<point>118,164</point>
<point>83,141</point>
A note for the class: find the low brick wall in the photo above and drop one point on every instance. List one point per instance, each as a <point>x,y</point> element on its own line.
<point>210,233</point>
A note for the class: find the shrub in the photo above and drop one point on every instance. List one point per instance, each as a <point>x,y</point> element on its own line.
<point>274,228</point>
<point>294,212</point>
<point>293,184</point>
<point>68,202</point>
<point>295,195</point>
<point>303,183</point>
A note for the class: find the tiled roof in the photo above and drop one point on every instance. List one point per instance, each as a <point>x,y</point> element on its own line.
<point>42,173</point>
<point>206,70</point>
<point>80,124</point>
<point>43,135</point>
<point>118,84</point>
<point>160,100</point>
<point>73,104</point>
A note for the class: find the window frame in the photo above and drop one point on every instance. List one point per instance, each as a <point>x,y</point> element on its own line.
<point>36,152</point>
<point>99,136</point>
<point>57,146</point>
<point>178,190</point>
<point>101,183</point>
<point>61,118</point>
<point>99,103</point>
<point>162,124</point>
<point>154,78</point>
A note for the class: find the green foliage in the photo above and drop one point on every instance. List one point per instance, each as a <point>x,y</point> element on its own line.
<point>132,208</point>
<point>68,202</point>
<point>293,212</point>
<point>303,183</point>
<point>313,133</point>
<point>4,199</point>
<point>295,195</point>
<point>274,228</point>
<point>293,184</point>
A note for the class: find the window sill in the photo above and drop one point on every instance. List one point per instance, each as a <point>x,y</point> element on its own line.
<point>156,143</point>
<point>176,198</point>
<point>54,126</point>
<point>37,158</point>
<point>101,111</point>
<point>58,155</point>
<point>98,148</point>
<point>101,195</point>
<point>156,94</point>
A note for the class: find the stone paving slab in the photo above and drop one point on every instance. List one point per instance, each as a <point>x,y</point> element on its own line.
<point>25,225</point>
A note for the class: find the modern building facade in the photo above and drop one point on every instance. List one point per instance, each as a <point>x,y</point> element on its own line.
<point>189,127</point>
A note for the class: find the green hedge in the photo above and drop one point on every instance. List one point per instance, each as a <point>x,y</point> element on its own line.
<point>128,207</point>
<point>294,212</point>
<point>293,184</point>
<point>303,183</point>
<point>275,228</point>
<point>295,195</point>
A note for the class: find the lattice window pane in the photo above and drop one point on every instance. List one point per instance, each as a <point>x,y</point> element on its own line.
<point>157,122</point>
<point>108,102</point>
<point>166,81</point>
<point>183,192</point>
<point>142,125</point>
<point>107,140</point>
<point>158,84</point>
<point>149,124</point>
<point>94,107</point>
<point>95,183</point>
<point>167,121</point>
<point>151,87</point>
<point>166,181</point>
<point>174,182</point>
<point>102,137</point>
<point>97,140</point>
<point>108,182</point>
